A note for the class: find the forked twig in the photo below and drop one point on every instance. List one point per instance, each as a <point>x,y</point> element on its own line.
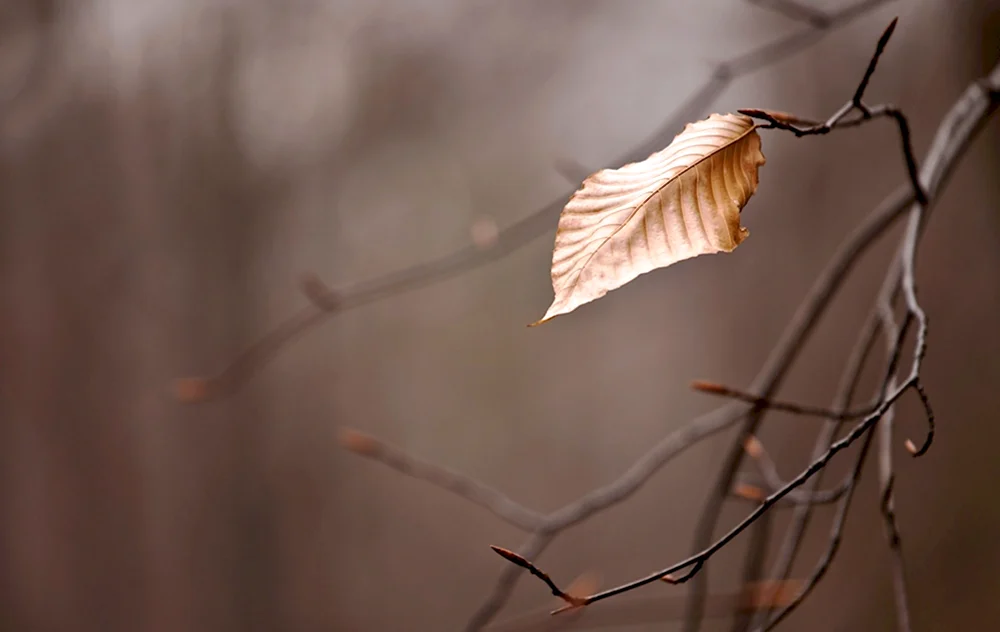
<point>764,403</point>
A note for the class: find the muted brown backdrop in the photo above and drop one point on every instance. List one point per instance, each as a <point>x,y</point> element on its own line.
<point>168,168</point>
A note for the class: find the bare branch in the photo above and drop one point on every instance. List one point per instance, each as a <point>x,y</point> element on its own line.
<point>849,382</point>
<point>459,484</point>
<point>646,610</point>
<point>771,404</point>
<point>796,11</point>
<point>769,470</point>
<point>879,49</point>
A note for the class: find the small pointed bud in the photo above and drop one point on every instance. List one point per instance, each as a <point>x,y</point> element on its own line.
<point>192,390</point>
<point>754,448</point>
<point>359,442</point>
<point>749,492</point>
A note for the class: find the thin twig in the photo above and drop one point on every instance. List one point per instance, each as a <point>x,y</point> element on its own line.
<point>455,482</point>
<point>514,558</point>
<point>763,403</point>
<point>693,564</point>
<point>756,492</point>
<point>646,610</point>
<point>886,472</point>
<point>849,383</point>
<point>795,11</point>
<point>769,470</point>
<point>836,532</point>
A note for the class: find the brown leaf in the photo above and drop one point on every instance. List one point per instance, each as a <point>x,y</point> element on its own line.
<point>681,202</point>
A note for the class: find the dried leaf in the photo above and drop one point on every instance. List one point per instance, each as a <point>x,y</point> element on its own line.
<point>681,202</point>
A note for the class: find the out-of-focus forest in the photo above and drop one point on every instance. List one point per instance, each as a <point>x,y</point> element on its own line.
<point>170,168</point>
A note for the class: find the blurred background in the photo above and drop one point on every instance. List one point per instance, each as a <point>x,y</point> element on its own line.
<point>170,168</point>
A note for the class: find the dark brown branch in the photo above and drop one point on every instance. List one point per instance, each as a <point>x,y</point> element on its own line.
<point>693,564</point>
<point>849,383</point>
<point>833,545</point>
<point>647,610</point>
<point>764,403</point>
<point>769,470</point>
<point>756,492</point>
<point>873,63</point>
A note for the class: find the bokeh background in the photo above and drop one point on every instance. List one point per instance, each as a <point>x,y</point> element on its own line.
<point>170,168</point>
